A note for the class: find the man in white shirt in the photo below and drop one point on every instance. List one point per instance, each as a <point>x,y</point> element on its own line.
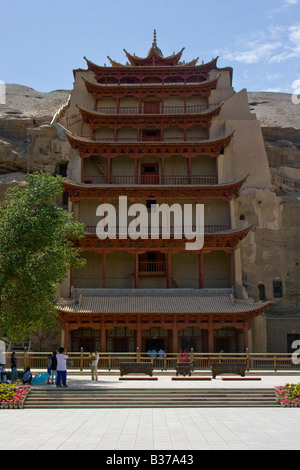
<point>61,370</point>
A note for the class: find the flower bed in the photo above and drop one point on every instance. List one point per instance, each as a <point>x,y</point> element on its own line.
<point>288,395</point>
<point>13,395</point>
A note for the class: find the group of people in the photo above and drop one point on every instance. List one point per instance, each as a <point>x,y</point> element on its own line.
<point>13,366</point>
<point>57,368</point>
<point>154,353</point>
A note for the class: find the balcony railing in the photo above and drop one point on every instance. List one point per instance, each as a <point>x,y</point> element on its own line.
<point>152,267</point>
<point>135,110</point>
<point>126,140</point>
<point>151,179</point>
<point>173,230</point>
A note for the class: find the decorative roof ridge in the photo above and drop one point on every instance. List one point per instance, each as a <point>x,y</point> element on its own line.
<point>213,61</point>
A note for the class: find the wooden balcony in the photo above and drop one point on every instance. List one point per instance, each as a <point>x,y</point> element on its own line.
<point>155,268</point>
<point>135,110</point>
<point>151,179</point>
<point>208,229</point>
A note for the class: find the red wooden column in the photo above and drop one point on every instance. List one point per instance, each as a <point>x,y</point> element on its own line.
<point>136,271</point>
<point>109,169</point>
<point>163,170</point>
<point>139,337</point>
<point>201,271</point>
<point>189,168</point>
<point>175,339</point>
<point>67,336</point>
<point>169,271</point>
<point>104,271</point>
<point>136,176</point>
<point>210,339</point>
<point>246,329</point>
<point>103,338</point>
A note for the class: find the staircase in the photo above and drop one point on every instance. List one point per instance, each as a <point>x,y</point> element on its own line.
<point>148,398</point>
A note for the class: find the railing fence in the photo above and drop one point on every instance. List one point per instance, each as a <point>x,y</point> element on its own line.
<point>201,361</point>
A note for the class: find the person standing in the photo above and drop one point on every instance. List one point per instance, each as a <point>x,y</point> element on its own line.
<point>53,367</point>
<point>94,358</point>
<point>61,370</point>
<point>13,365</point>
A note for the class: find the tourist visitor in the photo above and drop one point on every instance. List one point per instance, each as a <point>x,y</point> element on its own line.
<point>161,353</point>
<point>27,377</point>
<point>53,367</point>
<point>3,374</point>
<point>94,358</point>
<point>61,369</point>
<point>13,364</point>
<point>49,367</point>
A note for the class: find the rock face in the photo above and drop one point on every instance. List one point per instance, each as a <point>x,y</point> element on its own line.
<point>30,140</point>
<point>272,254</point>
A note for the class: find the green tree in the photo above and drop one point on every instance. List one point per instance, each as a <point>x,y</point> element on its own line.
<point>36,252</point>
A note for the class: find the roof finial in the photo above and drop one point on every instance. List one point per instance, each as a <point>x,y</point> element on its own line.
<point>154,38</point>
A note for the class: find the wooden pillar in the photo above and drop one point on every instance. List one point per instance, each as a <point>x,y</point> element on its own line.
<point>67,337</point>
<point>139,337</point>
<point>136,271</point>
<point>210,339</point>
<point>201,271</point>
<point>175,339</point>
<point>104,271</point>
<point>163,170</point>
<point>81,170</point>
<point>233,266</point>
<point>189,168</point>
<point>109,169</point>
<point>118,105</point>
<point>169,271</point>
<point>246,328</point>
<point>136,175</point>
<point>103,338</point>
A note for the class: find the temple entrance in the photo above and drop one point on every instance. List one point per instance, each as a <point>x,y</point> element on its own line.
<point>156,344</point>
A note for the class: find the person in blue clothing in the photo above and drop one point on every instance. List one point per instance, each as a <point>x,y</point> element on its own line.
<point>61,370</point>
<point>13,365</point>
<point>27,377</point>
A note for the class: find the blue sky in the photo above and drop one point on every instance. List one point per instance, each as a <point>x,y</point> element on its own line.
<point>42,41</point>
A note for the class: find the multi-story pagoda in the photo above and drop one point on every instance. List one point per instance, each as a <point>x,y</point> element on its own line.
<point>159,130</point>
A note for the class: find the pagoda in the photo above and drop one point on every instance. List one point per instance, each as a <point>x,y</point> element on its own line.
<point>157,130</point>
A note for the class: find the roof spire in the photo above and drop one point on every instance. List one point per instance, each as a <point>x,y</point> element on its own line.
<point>154,38</point>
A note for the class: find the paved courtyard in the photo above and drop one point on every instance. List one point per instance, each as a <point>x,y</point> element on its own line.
<point>157,428</point>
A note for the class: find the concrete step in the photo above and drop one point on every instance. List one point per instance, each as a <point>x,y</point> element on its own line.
<point>146,398</point>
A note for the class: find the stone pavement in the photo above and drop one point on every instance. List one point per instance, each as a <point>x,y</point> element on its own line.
<point>154,429</point>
